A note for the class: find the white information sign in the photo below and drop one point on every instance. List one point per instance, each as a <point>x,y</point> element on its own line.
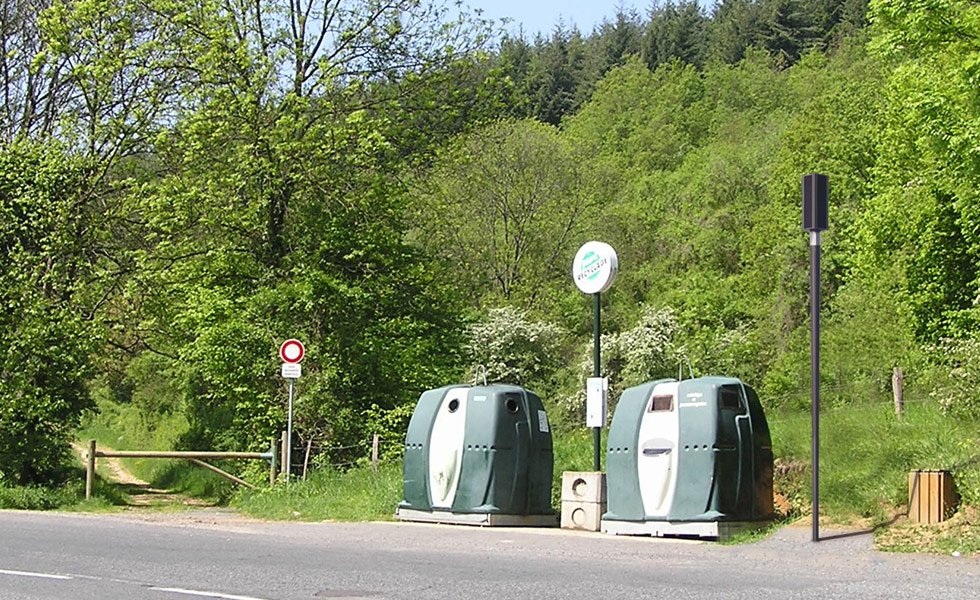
<point>596,391</point>
<point>595,267</point>
<point>543,421</point>
<point>292,370</point>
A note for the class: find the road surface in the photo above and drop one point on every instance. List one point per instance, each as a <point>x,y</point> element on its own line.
<point>210,554</point>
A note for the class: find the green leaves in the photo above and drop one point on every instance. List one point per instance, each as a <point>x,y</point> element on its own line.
<point>505,207</point>
<point>45,339</point>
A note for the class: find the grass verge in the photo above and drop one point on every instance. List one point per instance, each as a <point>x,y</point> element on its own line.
<point>866,453</point>
<point>329,495</point>
<point>68,497</point>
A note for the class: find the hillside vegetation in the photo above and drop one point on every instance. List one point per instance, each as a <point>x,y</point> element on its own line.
<point>184,185</point>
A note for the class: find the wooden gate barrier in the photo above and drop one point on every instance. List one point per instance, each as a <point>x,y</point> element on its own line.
<point>195,457</point>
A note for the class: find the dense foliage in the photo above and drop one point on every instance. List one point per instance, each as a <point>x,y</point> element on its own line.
<point>183,185</point>
<point>46,239</point>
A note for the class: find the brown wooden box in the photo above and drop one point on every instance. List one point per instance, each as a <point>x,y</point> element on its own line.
<point>932,496</point>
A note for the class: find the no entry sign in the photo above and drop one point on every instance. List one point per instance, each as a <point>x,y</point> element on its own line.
<point>292,351</point>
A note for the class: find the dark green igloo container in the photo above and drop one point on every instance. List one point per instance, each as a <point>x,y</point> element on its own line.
<point>478,455</point>
<point>690,457</point>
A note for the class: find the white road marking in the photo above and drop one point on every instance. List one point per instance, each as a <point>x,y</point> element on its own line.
<point>30,574</point>
<point>158,589</point>
<point>204,594</point>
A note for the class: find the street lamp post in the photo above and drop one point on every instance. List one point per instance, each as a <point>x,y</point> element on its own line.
<point>815,220</point>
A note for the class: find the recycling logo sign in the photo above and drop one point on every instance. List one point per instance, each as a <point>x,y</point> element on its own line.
<point>595,267</point>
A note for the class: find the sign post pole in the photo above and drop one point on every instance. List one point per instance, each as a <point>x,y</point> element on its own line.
<point>815,219</point>
<point>593,270</point>
<point>291,352</point>
<point>597,372</point>
<point>289,434</point>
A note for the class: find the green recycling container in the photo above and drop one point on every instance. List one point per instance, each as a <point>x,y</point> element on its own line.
<point>691,457</point>
<point>478,455</point>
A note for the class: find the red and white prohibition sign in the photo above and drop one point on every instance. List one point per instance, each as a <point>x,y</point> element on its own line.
<point>292,351</point>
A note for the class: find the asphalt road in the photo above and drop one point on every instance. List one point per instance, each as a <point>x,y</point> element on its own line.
<point>45,556</point>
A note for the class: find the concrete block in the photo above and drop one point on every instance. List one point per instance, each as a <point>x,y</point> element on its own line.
<point>586,516</point>
<point>583,486</point>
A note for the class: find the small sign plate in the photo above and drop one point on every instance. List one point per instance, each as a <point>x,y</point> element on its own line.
<point>596,390</point>
<point>292,370</point>
<point>543,426</point>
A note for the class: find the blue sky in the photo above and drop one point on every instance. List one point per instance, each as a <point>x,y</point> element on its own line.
<point>542,15</point>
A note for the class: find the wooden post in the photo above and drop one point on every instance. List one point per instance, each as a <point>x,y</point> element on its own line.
<point>306,458</point>
<point>90,470</point>
<point>274,463</point>
<point>282,453</point>
<point>898,390</point>
<point>222,472</point>
<point>374,453</point>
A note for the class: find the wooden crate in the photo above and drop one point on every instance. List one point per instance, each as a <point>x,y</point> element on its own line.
<point>932,496</point>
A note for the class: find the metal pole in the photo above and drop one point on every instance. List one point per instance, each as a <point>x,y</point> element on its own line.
<point>597,372</point>
<point>815,374</point>
<point>289,434</point>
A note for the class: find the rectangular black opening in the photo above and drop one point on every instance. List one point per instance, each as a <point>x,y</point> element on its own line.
<point>659,403</point>
<point>729,399</point>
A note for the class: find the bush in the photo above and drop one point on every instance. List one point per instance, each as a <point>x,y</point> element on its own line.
<point>646,351</point>
<point>959,393</point>
<point>513,348</point>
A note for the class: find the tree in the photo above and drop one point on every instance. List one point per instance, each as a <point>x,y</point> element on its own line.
<point>48,223</point>
<point>924,215</point>
<point>736,26</point>
<point>788,30</point>
<point>608,46</point>
<point>504,207</point>
<point>511,347</point>
<point>676,31</point>
<point>276,210</point>
<point>555,76</point>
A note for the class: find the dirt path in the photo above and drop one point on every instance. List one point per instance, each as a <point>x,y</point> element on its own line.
<point>140,494</point>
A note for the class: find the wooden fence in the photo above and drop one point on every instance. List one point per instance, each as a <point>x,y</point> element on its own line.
<point>194,457</point>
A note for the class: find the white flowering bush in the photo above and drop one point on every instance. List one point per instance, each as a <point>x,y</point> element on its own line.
<point>514,348</point>
<point>644,352</point>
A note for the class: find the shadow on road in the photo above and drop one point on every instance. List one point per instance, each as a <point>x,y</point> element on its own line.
<point>860,532</point>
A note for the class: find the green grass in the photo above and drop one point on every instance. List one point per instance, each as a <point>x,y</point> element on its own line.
<point>329,495</point>
<point>124,427</point>
<point>866,454</point>
<point>68,497</point>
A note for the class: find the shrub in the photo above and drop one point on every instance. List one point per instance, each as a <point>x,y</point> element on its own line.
<point>513,348</point>
<point>959,394</point>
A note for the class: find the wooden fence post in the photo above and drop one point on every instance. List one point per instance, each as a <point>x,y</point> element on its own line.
<point>274,463</point>
<point>374,453</point>
<point>306,457</point>
<point>282,453</point>
<point>898,390</point>
<point>90,470</point>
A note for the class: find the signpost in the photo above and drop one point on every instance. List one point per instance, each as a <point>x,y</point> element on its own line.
<point>291,352</point>
<point>815,219</point>
<point>593,270</point>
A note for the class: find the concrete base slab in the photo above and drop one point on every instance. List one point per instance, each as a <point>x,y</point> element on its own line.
<point>477,519</point>
<point>718,530</point>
